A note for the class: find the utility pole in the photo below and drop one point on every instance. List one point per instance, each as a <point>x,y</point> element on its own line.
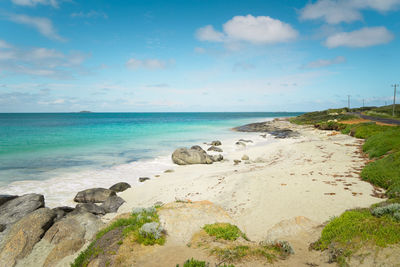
<point>348,101</point>
<point>394,97</point>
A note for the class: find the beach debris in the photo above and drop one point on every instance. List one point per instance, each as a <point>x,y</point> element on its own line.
<point>216,143</point>
<point>112,204</point>
<point>237,161</point>
<point>194,155</point>
<point>214,148</point>
<point>245,157</point>
<point>120,187</point>
<point>94,195</point>
<point>168,171</point>
<point>330,194</point>
<point>142,179</point>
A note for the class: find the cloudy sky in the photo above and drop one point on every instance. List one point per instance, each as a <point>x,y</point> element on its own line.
<point>197,55</point>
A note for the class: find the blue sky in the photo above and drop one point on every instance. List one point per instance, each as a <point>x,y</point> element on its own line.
<point>203,55</point>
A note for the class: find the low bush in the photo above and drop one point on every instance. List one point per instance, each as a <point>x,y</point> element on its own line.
<point>383,142</point>
<point>391,210</point>
<point>323,116</point>
<point>383,172</point>
<point>225,231</point>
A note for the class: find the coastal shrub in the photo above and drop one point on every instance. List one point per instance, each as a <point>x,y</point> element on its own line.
<point>383,172</point>
<point>143,224</point>
<point>390,210</point>
<point>196,263</point>
<point>322,116</point>
<point>353,229</point>
<point>225,231</point>
<point>283,247</point>
<point>383,142</point>
<point>364,130</point>
<point>393,191</point>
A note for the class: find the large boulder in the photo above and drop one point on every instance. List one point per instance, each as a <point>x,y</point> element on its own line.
<point>185,156</point>
<point>120,187</point>
<point>62,211</point>
<point>214,148</point>
<point>13,210</point>
<point>112,204</point>
<point>90,207</point>
<point>24,235</point>
<point>69,234</point>
<point>5,198</point>
<point>94,195</point>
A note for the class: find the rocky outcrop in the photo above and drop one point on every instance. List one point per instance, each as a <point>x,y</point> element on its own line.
<point>94,195</point>
<point>17,208</point>
<point>120,187</point>
<point>24,234</point>
<point>194,155</point>
<point>63,249</point>
<point>112,204</point>
<point>91,208</point>
<point>267,127</point>
<point>5,198</point>
<point>216,143</point>
<point>214,148</point>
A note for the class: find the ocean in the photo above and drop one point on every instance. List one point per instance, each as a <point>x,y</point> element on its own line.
<point>52,153</point>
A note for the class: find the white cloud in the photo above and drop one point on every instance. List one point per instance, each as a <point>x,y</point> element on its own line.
<point>199,50</point>
<point>360,38</point>
<point>336,11</point>
<point>259,30</point>
<point>208,33</point>
<point>40,62</point>
<point>32,3</point>
<point>255,30</point>
<point>42,25</point>
<point>150,64</point>
<point>325,62</point>
<point>4,44</point>
<point>90,14</point>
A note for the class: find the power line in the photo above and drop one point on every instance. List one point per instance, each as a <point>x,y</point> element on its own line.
<point>394,97</point>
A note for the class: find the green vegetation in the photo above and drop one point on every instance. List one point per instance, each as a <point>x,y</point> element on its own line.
<point>383,142</point>
<point>237,253</point>
<point>346,234</point>
<point>225,231</point>
<point>384,112</point>
<point>364,130</point>
<point>196,263</point>
<point>133,225</point>
<point>322,116</point>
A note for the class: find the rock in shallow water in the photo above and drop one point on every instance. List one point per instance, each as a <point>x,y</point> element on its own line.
<point>94,195</point>
<point>120,187</point>
<point>184,156</point>
<point>216,143</point>
<point>214,148</point>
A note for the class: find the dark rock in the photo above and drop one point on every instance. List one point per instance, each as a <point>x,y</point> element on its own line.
<point>2,227</point>
<point>112,204</point>
<point>214,148</point>
<point>17,208</point>
<point>142,179</point>
<point>62,211</point>
<point>5,198</point>
<point>120,187</point>
<point>216,143</point>
<point>168,171</point>
<point>24,234</point>
<point>184,156</point>
<point>91,208</point>
<point>236,161</point>
<point>94,195</point>
<point>240,143</point>
<point>245,141</point>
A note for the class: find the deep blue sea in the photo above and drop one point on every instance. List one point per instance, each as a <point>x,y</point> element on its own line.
<point>38,146</point>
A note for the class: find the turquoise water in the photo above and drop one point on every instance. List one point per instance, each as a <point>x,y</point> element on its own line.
<point>34,145</point>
